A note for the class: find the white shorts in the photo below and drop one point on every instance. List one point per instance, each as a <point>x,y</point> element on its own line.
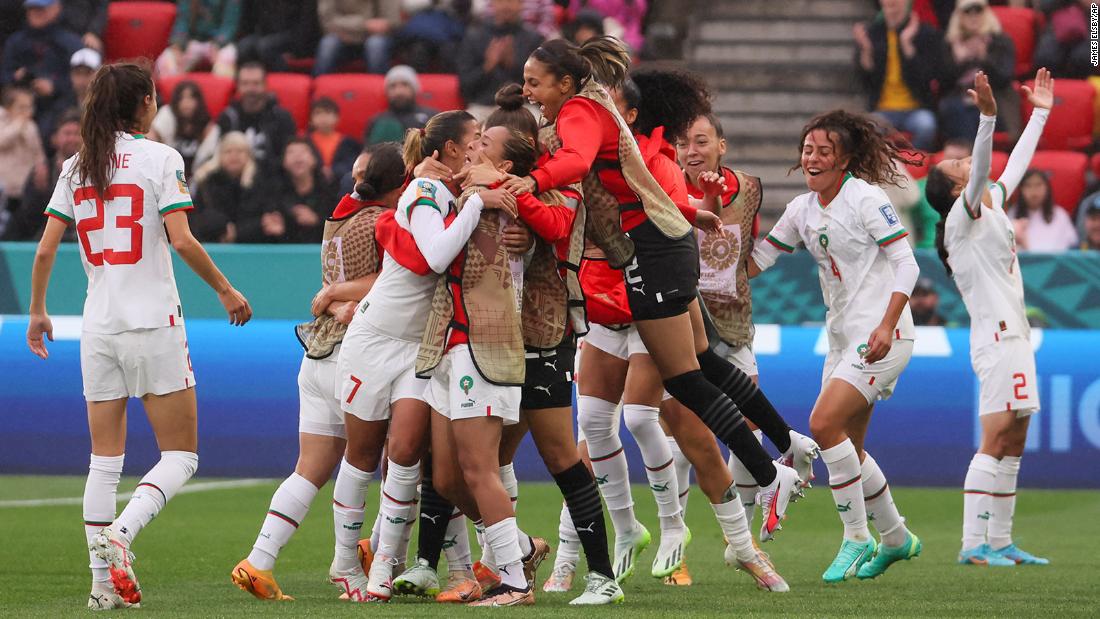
<point>458,391</point>
<point>875,381</point>
<point>318,407</point>
<point>374,371</point>
<point>1006,375</point>
<point>741,357</point>
<point>135,363</point>
<point>621,344</point>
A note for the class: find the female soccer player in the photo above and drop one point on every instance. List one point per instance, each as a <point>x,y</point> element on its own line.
<point>378,389</point>
<point>128,199</point>
<point>853,233</point>
<point>651,241</point>
<point>350,261</point>
<point>977,245</point>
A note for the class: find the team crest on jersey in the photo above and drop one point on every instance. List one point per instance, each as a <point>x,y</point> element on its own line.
<point>425,189</point>
<point>889,215</point>
<point>823,240</point>
<point>182,182</point>
<point>466,384</point>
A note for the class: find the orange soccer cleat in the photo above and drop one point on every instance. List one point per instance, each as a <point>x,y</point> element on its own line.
<point>260,583</point>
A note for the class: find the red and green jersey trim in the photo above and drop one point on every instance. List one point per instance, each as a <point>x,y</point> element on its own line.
<point>177,206</point>
<point>843,179</point>
<point>780,245</point>
<point>1004,192</point>
<point>900,234</point>
<point>59,215</point>
<point>971,214</point>
<point>425,202</point>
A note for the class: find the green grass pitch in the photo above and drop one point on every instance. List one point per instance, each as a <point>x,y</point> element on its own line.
<point>184,559</point>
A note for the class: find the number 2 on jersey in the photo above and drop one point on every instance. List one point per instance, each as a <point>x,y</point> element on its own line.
<point>1020,385</point>
<point>136,195</point>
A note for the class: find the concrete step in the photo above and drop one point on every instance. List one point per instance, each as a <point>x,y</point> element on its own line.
<point>825,10</point>
<point>770,30</point>
<point>777,103</point>
<point>750,77</point>
<point>778,54</point>
<point>742,150</point>
<point>764,127</point>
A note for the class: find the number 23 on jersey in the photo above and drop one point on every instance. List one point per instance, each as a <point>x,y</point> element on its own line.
<point>115,194</point>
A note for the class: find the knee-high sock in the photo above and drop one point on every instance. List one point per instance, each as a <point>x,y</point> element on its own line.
<point>721,415</point>
<point>731,519</point>
<point>503,537</point>
<point>153,492</point>
<point>1004,502</point>
<point>406,535</point>
<point>100,492</point>
<point>510,483</point>
<point>746,485</point>
<point>569,544</point>
<point>435,517</point>
<point>683,474</point>
<point>657,458</point>
<point>289,506</point>
<point>349,500</point>
<point>456,543</point>
<point>486,551</point>
<point>845,480</point>
<point>754,405</point>
<point>398,497</point>
<point>601,429</point>
<point>879,503</point>
<point>579,489</point>
<point>981,477</point>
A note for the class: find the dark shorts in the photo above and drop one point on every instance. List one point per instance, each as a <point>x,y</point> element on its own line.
<point>549,380</point>
<point>663,278</point>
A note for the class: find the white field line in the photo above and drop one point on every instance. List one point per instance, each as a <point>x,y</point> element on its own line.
<point>205,486</point>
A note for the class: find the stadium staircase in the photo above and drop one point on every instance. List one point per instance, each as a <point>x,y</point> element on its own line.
<point>773,64</point>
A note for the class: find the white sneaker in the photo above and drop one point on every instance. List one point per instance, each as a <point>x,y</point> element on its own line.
<point>380,578</point>
<point>352,583</point>
<point>103,597</point>
<point>109,546</point>
<point>420,579</point>
<point>801,457</point>
<point>627,551</point>
<point>774,498</point>
<point>670,552</point>
<point>561,579</point>
<point>598,591</point>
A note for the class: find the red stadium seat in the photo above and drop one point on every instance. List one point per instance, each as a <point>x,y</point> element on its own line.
<point>292,91</point>
<point>1070,124</point>
<point>360,98</point>
<point>138,29</point>
<point>1066,170</point>
<point>440,91</point>
<point>1094,163</point>
<point>216,90</point>
<point>1022,26</point>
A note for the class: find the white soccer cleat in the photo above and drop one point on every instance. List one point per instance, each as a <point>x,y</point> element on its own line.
<point>774,498</point>
<point>598,591</point>
<point>561,579</point>
<point>420,579</point>
<point>109,546</point>
<point>103,597</point>
<point>801,456</point>
<point>351,583</point>
<point>628,550</point>
<point>380,578</point>
<point>763,572</point>
<point>670,552</point>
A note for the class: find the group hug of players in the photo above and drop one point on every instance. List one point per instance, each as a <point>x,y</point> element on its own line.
<point>459,277</point>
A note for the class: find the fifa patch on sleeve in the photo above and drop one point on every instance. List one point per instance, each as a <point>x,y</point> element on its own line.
<point>889,214</point>
<point>182,182</point>
<point>425,189</point>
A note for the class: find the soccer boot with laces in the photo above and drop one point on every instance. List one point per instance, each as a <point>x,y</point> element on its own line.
<point>109,546</point>
<point>628,550</point>
<point>462,588</point>
<point>670,552</point>
<point>539,551</point>
<point>1018,556</point>
<point>885,556</point>
<point>103,597</point>
<point>801,456</point>
<point>351,583</point>
<point>420,579</point>
<point>762,570</point>
<point>851,556</point>
<point>506,595</point>
<point>561,578</point>
<point>774,499</point>
<point>983,555</point>
<point>486,577</point>
<point>260,583</point>
<point>599,590</point>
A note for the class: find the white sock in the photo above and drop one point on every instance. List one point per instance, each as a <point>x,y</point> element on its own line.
<point>601,429</point>
<point>289,506</point>
<point>398,495</point>
<point>569,543</point>
<point>99,505</point>
<point>1004,502</point>
<point>376,528</point>
<point>153,492</point>
<point>734,525</point>
<point>657,458</point>
<point>977,499</point>
<point>510,483</point>
<point>745,482</point>
<point>844,479</point>
<point>879,504</point>
<point>486,551</point>
<point>502,537</point>
<point>406,535</point>
<point>349,501</point>
<point>683,474</point>
<point>456,544</point>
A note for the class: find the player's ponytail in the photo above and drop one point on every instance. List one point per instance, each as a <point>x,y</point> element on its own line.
<point>939,191</point>
<point>441,128</point>
<point>608,59</point>
<point>114,104</point>
<point>385,172</point>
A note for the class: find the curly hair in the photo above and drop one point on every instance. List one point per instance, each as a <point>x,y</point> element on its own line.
<point>871,153</point>
<point>672,98</point>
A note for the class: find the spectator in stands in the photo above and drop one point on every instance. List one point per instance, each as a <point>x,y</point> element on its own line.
<point>626,15</point>
<point>925,304</point>
<point>899,59</point>
<point>258,115</point>
<point>185,125</point>
<point>1091,217</point>
<point>337,151</point>
<point>20,143</point>
<point>1041,225</point>
<point>11,19</point>
<point>202,35</point>
<point>26,221</point>
<point>492,54</point>
<point>305,196</point>
<point>82,67</point>
<point>975,43</point>
<point>229,205</point>
<point>38,56</point>
<point>273,30</point>
<point>428,39</point>
<point>925,217</point>
<point>587,24</point>
<point>356,28</point>
<point>539,15</point>
<point>403,112</point>
<point>86,18</point>
<point>1063,46</point>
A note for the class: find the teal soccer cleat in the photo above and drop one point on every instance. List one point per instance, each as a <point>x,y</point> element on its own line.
<point>1018,556</point>
<point>983,555</point>
<point>886,556</point>
<point>851,556</point>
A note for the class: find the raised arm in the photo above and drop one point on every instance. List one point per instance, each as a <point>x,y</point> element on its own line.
<point>1042,98</point>
<point>982,95</point>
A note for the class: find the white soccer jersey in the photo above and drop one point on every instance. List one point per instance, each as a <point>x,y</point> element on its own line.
<point>845,238</point>
<point>981,247</point>
<point>123,244</point>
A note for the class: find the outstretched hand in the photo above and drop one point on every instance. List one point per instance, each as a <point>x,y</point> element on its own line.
<point>982,94</point>
<point>1042,94</point>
